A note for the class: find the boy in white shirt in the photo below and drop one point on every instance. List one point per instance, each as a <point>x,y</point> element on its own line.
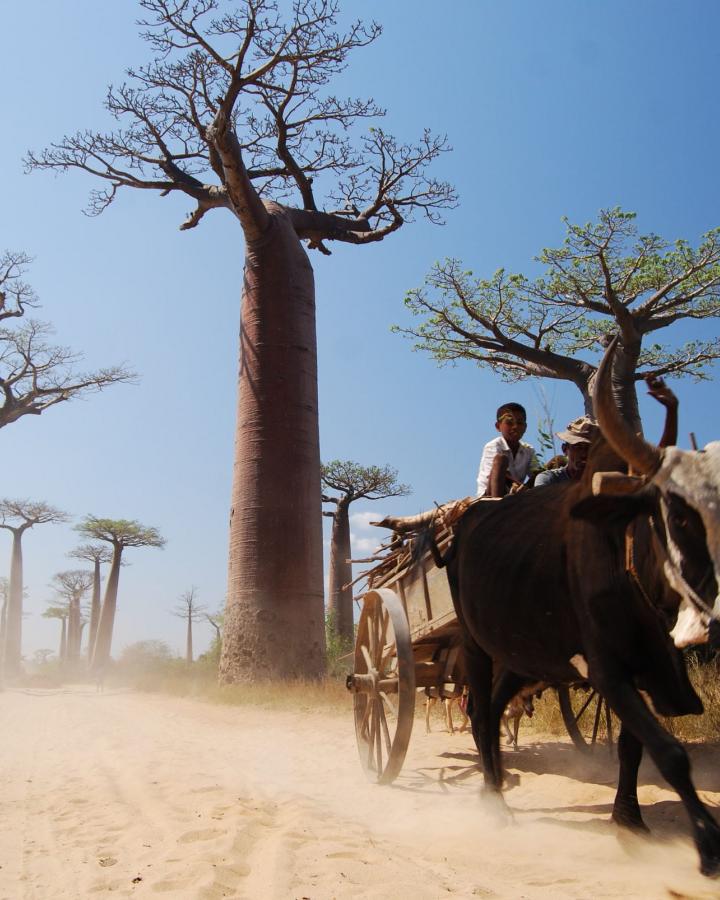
<point>506,461</point>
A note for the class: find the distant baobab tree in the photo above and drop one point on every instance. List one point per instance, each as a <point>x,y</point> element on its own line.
<point>60,612</point>
<point>98,555</point>
<point>119,533</point>
<point>71,586</point>
<point>17,516</point>
<point>16,296</point>
<point>235,111</point>
<point>352,482</point>
<point>36,374</point>
<point>189,609</point>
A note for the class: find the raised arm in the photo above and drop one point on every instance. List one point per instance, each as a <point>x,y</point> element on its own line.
<point>662,393</point>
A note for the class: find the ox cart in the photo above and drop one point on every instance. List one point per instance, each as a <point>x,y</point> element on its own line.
<point>408,638</point>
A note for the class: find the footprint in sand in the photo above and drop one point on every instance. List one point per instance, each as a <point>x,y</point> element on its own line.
<point>204,834</point>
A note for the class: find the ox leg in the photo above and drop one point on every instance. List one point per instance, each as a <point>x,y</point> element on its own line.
<point>626,809</point>
<point>504,689</point>
<point>672,760</point>
<point>479,674</point>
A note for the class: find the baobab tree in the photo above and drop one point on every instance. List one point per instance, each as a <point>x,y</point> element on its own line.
<point>189,609</point>
<point>98,555</point>
<point>119,533</point>
<point>235,112</point>
<point>71,586</point>
<point>60,612</point>
<point>36,374</point>
<point>16,296</point>
<point>352,482</point>
<point>17,516</point>
<point>604,279</point>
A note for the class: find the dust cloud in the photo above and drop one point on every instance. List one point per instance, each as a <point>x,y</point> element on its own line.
<point>150,794</point>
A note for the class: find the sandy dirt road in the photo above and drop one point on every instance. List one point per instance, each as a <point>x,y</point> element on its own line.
<point>126,794</point>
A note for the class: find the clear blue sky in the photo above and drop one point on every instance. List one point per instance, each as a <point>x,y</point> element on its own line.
<point>553,109</point>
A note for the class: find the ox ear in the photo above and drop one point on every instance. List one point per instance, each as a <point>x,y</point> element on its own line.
<point>608,511</point>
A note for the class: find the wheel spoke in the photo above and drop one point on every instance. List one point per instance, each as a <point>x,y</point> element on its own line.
<point>386,733</point>
<point>365,717</point>
<point>367,657</point>
<point>378,736</point>
<point>585,706</point>
<point>382,639</point>
<point>388,702</point>
<point>373,729</point>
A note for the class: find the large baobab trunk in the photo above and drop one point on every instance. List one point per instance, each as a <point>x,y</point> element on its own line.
<point>274,625</point>
<point>106,622</point>
<point>13,624</point>
<point>94,609</point>
<point>340,597</point>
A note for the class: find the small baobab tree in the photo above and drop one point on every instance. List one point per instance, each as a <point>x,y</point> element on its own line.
<point>35,373</point>
<point>16,296</point>
<point>120,534</point>
<point>97,554</point>
<point>235,111</point>
<point>17,516</point>
<point>352,482</point>
<point>61,613</point>
<point>72,586</point>
<point>189,609</point>
<point>605,279</point>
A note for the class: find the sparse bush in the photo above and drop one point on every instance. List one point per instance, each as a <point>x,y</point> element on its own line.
<point>339,650</point>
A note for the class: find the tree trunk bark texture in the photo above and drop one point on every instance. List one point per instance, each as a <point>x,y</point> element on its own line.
<point>623,383</point>
<point>340,606</point>
<point>274,625</point>
<point>94,609</point>
<point>188,642</point>
<point>63,640</point>
<point>106,622</point>
<point>13,624</point>
<point>74,630</point>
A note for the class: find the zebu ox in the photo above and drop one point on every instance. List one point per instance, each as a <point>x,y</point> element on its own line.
<point>546,584</point>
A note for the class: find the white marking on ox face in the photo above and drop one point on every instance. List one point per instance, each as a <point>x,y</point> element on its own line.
<point>691,626</point>
<point>695,476</point>
<point>579,663</point>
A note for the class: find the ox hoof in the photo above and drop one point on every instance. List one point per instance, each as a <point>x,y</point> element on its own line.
<point>710,867</point>
<point>630,820</point>
<point>708,845</point>
<point>494,804</point>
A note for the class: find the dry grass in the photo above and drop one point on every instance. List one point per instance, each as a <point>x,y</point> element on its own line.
<point>705,678</point>
<point>330,696</point>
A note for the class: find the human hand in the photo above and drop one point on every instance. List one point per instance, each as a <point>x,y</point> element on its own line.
<point>660,391</point>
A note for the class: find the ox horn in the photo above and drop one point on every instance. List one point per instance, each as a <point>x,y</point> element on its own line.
<point>644,458</point>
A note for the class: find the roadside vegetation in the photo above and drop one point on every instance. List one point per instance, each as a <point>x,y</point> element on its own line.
<point>151,666</point>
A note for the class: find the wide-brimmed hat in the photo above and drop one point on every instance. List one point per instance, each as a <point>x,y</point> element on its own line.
<point>580,431</point>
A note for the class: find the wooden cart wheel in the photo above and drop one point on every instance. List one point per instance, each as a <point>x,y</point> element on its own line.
<point>384,685</point>
<point>587,709</point>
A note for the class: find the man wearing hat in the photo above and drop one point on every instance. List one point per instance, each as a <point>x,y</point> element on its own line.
<point>581,433</point>
<point>576,438</point>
